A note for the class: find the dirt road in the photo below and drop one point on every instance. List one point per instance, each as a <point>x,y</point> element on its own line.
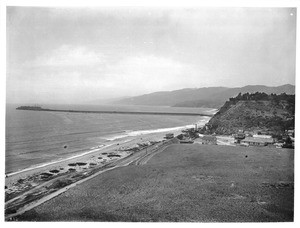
<point>43,193</point>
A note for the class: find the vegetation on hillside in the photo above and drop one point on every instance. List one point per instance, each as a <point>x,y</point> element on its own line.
<point>251,112</point>
<point>184,183</point>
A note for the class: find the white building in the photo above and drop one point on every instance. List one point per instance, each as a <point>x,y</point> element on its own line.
<point>262,136</point>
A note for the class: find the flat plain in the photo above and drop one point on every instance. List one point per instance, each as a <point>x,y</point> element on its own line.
<point>184,183</point>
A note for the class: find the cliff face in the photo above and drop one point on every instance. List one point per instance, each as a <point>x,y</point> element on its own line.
<point>267,114</point>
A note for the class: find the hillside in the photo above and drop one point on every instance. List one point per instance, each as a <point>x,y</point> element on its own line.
<point>208,97</point>
<point>184,183</point>
<point>170,98</point>
<point>259,111</point>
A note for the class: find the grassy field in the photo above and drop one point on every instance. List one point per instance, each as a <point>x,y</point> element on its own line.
<point>187,183</point>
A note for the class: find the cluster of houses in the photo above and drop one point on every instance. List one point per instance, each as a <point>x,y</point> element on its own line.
<point>246,139</point>
<point>255,140</point>
<point>242,138</point>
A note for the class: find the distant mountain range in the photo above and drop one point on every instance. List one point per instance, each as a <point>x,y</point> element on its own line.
<point>105,101</point>
<point>207,97</point>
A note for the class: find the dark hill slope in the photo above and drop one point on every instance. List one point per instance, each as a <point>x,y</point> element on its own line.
<point>273,113</point>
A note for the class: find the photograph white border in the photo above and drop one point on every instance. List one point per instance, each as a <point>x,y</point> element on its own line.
<point>140,3</point>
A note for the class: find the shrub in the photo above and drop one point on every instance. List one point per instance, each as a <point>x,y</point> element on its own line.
<point>80,163</point>
<point>54,171</point>
<point>113,155</point>
<point>72,164</point>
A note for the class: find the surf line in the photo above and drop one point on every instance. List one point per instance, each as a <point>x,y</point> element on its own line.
<point>58,161</point>
<point>145,132</point>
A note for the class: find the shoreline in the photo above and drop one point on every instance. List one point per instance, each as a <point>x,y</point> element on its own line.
<point>32,185</point>
<point>115,146</point>
<point>28,188</point>
<point>41,165</point>
<point>111,139</point>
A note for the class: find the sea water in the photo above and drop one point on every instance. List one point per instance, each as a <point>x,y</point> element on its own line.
<point>34,138</point>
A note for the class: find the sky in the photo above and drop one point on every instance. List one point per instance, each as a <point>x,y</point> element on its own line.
<point>76,55</point>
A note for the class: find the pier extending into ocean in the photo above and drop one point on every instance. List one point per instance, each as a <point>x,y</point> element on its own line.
<point>28,108</point>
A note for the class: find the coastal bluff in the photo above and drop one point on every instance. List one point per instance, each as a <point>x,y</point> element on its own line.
<point>251,112</point>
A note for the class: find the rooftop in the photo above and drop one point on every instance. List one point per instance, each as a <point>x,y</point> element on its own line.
<point>259,140</point>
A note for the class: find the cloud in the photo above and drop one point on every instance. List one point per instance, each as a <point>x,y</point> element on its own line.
<point>68,56</point>
<point>125,76</point>
<point>147,73</point>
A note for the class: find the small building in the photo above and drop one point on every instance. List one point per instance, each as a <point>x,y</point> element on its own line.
<point>263,136</point>
<point>209,140</point>
<point>239,137</point>
<point>257,141</point>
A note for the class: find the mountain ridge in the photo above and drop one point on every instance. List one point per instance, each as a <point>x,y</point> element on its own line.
<point>206,97</point>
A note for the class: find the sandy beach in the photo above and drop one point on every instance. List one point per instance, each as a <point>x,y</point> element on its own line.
<point>115,146</point>
<point>22,187</point>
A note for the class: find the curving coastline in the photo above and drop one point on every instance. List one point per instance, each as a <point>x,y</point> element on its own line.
<point>27,189</point>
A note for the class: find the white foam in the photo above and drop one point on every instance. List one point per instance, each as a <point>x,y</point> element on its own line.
<point>200,123</point>
<point>115,137</point>
<point>127,133</point>
<point>213,111</point>
<point>160,130</point>
<point>203,121</point>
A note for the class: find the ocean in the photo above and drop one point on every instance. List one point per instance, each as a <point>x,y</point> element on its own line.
<point>34,138</point>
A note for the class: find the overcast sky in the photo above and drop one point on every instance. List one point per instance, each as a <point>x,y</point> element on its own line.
<point>69,55</point>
